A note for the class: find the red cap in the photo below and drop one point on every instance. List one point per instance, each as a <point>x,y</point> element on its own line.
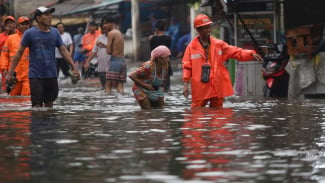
<point>22,19</point>
<point>9,18</point>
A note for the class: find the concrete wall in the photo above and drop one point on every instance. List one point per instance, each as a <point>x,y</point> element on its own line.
<point>307,76</point>
<point>144,50</point>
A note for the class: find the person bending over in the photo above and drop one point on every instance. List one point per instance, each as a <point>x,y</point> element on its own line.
<point>149,79</point>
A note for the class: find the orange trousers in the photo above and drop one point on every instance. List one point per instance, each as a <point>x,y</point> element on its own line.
<point>3,82</point>
<point>214,102</point>
<point>21,88</point>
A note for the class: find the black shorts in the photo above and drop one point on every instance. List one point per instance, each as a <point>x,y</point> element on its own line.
<point>43,90</point>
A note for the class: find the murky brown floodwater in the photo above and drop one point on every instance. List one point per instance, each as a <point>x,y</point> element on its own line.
<point>89,137</point>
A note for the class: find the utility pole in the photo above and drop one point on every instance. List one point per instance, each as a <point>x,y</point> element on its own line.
<point>135,28</point>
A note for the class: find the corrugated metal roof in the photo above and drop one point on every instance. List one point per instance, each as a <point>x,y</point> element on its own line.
<point>104,3</point>
<point>70,6</point>
<point>27,7</point>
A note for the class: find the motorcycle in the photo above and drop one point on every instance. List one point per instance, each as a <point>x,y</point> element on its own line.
<point>276,77</point>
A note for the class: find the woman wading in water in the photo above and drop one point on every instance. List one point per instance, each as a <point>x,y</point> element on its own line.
<point>149,79</point>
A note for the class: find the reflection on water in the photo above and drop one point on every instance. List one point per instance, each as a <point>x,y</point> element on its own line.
<point>207,137</point>
<point>92,137</point>
<point>14,143</point>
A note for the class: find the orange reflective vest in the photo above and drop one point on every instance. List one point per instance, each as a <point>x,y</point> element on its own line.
<point>219,84</point>
<point>3,38</point>
<point>89,40</point>
<point>8,52</point>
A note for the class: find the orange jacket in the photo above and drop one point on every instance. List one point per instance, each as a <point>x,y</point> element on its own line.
<point>89,40</point>
<point>3,38</point>
<point>219,84</point>
<point>8,52</point>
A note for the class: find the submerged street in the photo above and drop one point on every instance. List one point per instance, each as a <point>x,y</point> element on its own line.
<point>92,137</point>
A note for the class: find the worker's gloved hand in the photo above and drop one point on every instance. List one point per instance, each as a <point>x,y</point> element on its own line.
<point>11,83</point>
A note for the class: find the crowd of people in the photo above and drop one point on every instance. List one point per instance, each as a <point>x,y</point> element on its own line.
<point>32,56</point>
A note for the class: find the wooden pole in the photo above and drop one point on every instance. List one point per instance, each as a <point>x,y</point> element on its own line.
<point>135,28</point>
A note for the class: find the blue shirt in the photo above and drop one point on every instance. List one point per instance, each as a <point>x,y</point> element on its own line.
<point>42,62</point>
<point>77,41</point>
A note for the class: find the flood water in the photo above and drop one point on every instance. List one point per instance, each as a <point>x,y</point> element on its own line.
<point>90,137</point>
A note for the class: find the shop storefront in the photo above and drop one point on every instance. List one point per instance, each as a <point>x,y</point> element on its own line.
<point>255,24</point>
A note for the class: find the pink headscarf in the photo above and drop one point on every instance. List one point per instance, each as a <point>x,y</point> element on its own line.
<point>160,51</point>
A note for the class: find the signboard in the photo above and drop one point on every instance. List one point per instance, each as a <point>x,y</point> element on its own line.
<point>260,26</point>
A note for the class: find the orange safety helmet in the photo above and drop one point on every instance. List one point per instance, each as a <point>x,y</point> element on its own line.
<point>201,20</point>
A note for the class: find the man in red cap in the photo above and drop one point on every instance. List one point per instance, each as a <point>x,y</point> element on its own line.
<point>203,65</point>
<point>10,28</point>
<point>8,52</point>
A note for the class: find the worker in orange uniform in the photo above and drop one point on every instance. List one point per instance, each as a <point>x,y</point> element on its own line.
<point>89,40</point>
<point>203,65</point>
<point>8,52</point>
<point>10,28</point>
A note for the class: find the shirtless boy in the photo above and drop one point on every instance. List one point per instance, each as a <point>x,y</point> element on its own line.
<point>116,72</point>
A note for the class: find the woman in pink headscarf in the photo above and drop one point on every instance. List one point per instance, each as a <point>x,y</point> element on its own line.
<point>149,79</point>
